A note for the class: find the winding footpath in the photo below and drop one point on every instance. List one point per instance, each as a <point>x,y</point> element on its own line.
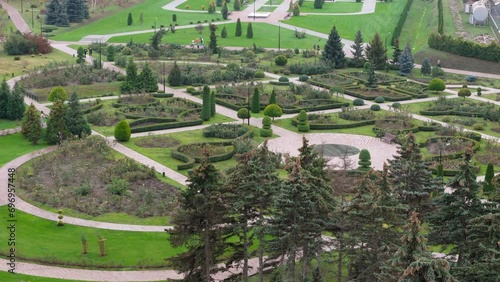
<point>287,142</point>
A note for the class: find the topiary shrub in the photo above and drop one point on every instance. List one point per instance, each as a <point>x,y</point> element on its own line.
<point>464,92</point>
<point>375,107</point>
<point>243,114</point>
<point>122,131</point>
<point>273,111</point>
<point>283,79</point>
<point>57,93</point>
<point>358,102</point>
<point>190,89</point>
<point>266,130</point>
<point>436,85</point>
<point>379,99</point>
<point>479,90</point>
<point>281,60</point>
<point>364,160</point>
<point>259,74</point>
<point>303,125</point>
<point>396,105</point>
<point>303,77</point>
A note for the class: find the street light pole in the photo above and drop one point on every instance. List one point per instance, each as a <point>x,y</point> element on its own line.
<point>32,16</point>
<point>155,25</point>
<point>21,6</point>
<point>279,35</point>
<point>254,9</point>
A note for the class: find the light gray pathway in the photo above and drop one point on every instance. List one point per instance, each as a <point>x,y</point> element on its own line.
<point>16,17</point>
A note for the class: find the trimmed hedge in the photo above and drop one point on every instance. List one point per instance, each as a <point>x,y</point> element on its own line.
<point>284,83</point>
<point>162,95</point>
<point>314,108</point>
<point>461,47</point>
<point>450,112</point>
<point>121,105</point>
<point>162,126</point>
<point>190,161</point>
<point>248,133</point>
<point>325,126</point>
<point>150,119</point>
<point>404,91</point>
<point>92,109</point>
<point>387,98</point>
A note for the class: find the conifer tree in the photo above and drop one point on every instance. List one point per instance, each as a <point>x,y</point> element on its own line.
<point>236,5</point>
<point>223,33</point>
<point>397,52</point>
<point>296,10</point>
<point>218,3</point>
<point>333,53</point>
<point>130,20</point>
<point>357,50</point>
<point>406,61</point>
<point>147,80</point>
<point>318,4</point>
<point>249,31</point>
<point>80,55</point>
<point>211,7</point>
<point>224,11</point>
<point>372,79</point>
<point>75,120</point>
<point>212,104</point>
<point>426,67</point>
<point>85,9</point>
<point>15,103</point>
<point>62,15</point>
<point>141,18</point>
<point>238,31</point>
<point>131,84</point>
<point>205,108</point>
<point>4,98</point>
<point>110,56</point>
<point>272,99</point>
<point>199,225</point>
<point>76,10</point>
<point>32,127</point>
<point>488,185</point>
<point>56,123</point>
<point>375,52</point>
<point>213,39</point>
<point>175,76</point>
<point>255,108</point>
<point>53,7</point>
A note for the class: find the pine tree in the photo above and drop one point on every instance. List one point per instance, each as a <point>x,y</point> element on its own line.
<point>130,20</point>
<point>148,80</point>
<point>75,9</point>
<point>131,84</point>
<point>455,209</point>
<point>212,104</point>
<point>357,50</point>
<point>75,120</point>
<point>62,15</point>
<point>224,11</point>
<point>375,52</point>
<point>397,52</point>
<point>199,225</point>
<point>272,99</point>
<point>4,98</point>
<point>426,67</point>
<point>175,76</point>
<point>56,123</point>
<point>236,5</point>
<point>213,39</point>
<point>249,31</point>
<point>205,108</point>
<point>32,127</point>
<point>333,54</point>
<point>15,103</point>
<point>52,12</point>
<point>238,31</point>
<point>223,33</point>
<point>255,101</point>
<point>406,61</point>
<point>110,54</point>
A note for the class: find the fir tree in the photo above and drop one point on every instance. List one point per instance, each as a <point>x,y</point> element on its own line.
<point>212,104</point>
<point>156,39</point>
<point>255,101</point>
<point>75,9</point>
<point>372,79</point>
<point>426,67</point>
<point>238,31</point>
<point>175,76</point>
<point>32,127</point>
<point>357,50</point>
<point>375,52</point>
<point>397,52</point>
<point>52,12</point>
<point>131,83</point>
<point>85,9</point>
<point>147,80</point>
<point>406,61</point>
<point>213,39</point>
<point>223,33</point>
<point>4,98</point>
<point>206,105</point>
<point>249,31</point>
<point>272,99</point>
<point>62,15</point>
<point>236,5</point>
<point>488,185</point>
<point>199,225</point>
<point>224,11</point>
<point>75,121</point>
<point>130,20</point>
<point>56,123</point>
<point>333,54</point>
<point>15,103</point>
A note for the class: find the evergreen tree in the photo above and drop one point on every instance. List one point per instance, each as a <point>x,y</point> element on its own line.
<point>406,61</point>
<point>375,52</point>
<point>250,186</point>
<point>52,11</point>
<point>488,185</point>
<point>75,10</point>
<point>211,7</point>
<point>4,98</point>
<point>80,55</point>
<point>397,52</point>
<point>333,54</point>
<point>212,104</point>
<point>218,3</point>
<point>130,20</point>
<point>175,76</point>
<point>372,79</point>
<point>75,120</point>
<point>199,225</point>
<point>255,101</point>
<point>156,39</point>
<point>148,80</point>
<point>62,15</point>
<point>357,50</point>
<point>141,19</point>
<point>455,209</point>
<point>224,11</point>
<point>236,5</point>
<point>85,9</point>
<point>272,99</point>
<point>205,108</point>
<point>110,56</point>
<point>131,83</point>
<point>213,39</point>
<point>296,10</point>
<point>223,33</point>
<point>318,4</point>
<point>32,127</point>
<point>426,67</point>
<point>249,31</point>
<point>15,103</point>
<point>238,31</point>
<point>56,123</point>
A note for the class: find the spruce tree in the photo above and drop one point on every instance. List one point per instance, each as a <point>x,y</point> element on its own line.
<point>62,15</point>
<point>212,45</point>
<point>272,99</point>
<point>75,9</point>
<point>333,54</point>
<point>397,52</point>
<point>406,62</point>
<point>52,11</point>
<point>4,98</point>
<point>224,11</point>
<point>15,103</point>
<point>488,185</point>
<point>147,80</point>
<point>249,31</point>
<point>56,123</point>
<point>357,50</point>
<point>255,108</point>
<point>223,33</point>
<point>375,52</point>
<point>372,79</point>
<point>131,84</point>
<point>236,5</point>
<point>32,127</point>
<point>130,20</point>
<point>175,76</point>
<point>426,67</point>
<point>205,108</point>
<point>75,120</point>
<point>212,104</point>
<point>199,225</point>
<point>238,31</point>
<point>85,9</point>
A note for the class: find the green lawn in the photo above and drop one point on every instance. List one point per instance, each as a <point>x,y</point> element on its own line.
<point>9,277</point>
<point>265,35</point>
<point>362,130</point>
<point>6,124</point>
<point>41,238</point>
<point>382,21</point>
<point>83,91</point>
<point>332,7</point>
<point>14,145</point>
<point>19,67</point>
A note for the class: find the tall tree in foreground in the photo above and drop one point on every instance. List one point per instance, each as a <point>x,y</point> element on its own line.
<point>32,127</point>
<point>199,224</point>
<point>206,105</point>
<point>213,39</point>
<point>238,31</point>
<point>15,103</point>
<point>406,62</point>
<point>333,53</point>
<point>357,50</point>
<point>375,52</point>
<point>56,123</point>
<point>75,120</point>
<point>4,98</point>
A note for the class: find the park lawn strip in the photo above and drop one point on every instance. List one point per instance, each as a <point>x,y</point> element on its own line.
<point>332,7</point>
<point>14,145</point>
<point>19,67</point>
<point>7,276</point>
<point>83,91</point>
<point>382,21</point>
<point>493,97</point>
<point>42,238</point>
<point>264,35</point>
<point>7,124</point>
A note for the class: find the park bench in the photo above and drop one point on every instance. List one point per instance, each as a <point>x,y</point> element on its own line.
<point>389,138</point>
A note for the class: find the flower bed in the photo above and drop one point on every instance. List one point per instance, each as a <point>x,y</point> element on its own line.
<point>330,80</point>
<point>449,147</point>
<point>381,78</point>
<point>372,93</point>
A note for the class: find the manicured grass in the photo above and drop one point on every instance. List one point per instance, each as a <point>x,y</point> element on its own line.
<point>362,130</point>
<point>422,20</point>
<point>151,10</point>
<point>6,124</point>
<point>14,145</point>
<point>493,97</point>
<point>42,238</point>
<point>332,7</point>
<point>11,66</point>
<point>264,35</point>
<point>5,276</point>
<point>382,21</point>
<point>83,91</point>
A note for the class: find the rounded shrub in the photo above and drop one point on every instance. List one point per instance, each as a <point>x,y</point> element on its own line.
<point>396,105</point>
<point>259,74</point>
<point>266,130</point>
<point>120,77</point>
<point>478,126</point>
<point>57,93</point>
<point>190,89</point>
<point>303,77</point>
<point>283,79</point>
<point>122,131</point>
<point>379,99</point>
<point>436,84</point>
<point>375,107</point>
<point>358,102</point>
<point>126,51</point>
<point>364,159</point>
<point>280,60</point>
<point>243,113</point>
<point>303,125</point>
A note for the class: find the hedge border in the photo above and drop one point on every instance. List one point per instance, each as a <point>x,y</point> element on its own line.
<point>122,105</point>
<point>190,161</point>
<point>162,95</point>
<point>450,112</point>
<point>456,155</point>
<point>248,133</point>
<point>162,126</point>
<point>387,98</point>
<point>326,126</point>
<point>92,109</point>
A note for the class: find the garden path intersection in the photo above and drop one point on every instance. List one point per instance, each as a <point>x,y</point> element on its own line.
<point>287,142</point>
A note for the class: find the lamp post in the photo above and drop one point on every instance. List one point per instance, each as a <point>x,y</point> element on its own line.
<point>155,25</point>
<point>386,59</point>
<point>254,9</point>
<point>32,16</point>
<point>279,35</point>
<point>21,6</point>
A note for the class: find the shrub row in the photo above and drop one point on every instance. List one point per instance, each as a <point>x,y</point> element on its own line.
<point>119,105</point>
<point>274,82</point>
<point>190,161</point>
<point>461,47</point>
<point>92,109</point>
<point>389,81</point>
<point>30,94</point>
<point>315,108</point>
<point>140,121</point>
<point>162,126</point>
<point>450,112</point>
<point>379,132</point>
<point>387,98</point>
<point>228,131</point>
<point>401,22</point>
<point>324,126</point>
<point>162,95</point>
<point>412,94</point>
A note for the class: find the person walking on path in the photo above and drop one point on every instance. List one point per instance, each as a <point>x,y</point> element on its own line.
<point>59,138</point>
<point>42,119</point>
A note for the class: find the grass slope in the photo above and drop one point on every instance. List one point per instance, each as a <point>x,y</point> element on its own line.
<point>14,145</point>
<point>9,277</point>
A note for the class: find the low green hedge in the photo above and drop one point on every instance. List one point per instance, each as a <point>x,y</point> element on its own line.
<point>429,127</point>
<point>314,108</point>
<point>92,109</point>
<point>284,83</point>
<point>450,112</point>
<point>150,119</point>
<point>162,95</point>
<point>120,105</point>
<point>162,126</point>
<point>190,161</point>
<point>404,91</point>
<point>325,126</point>
<point>387,98</point>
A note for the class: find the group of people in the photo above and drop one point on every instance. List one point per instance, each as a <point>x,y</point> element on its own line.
<point>197,42</point>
